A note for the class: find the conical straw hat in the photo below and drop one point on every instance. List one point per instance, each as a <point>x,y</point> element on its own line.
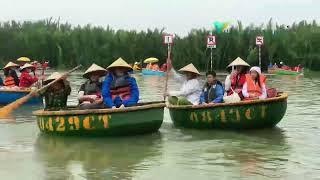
<point>119,63</point>
<point>238,62</point>
<point>23,59</point>
<point>53,77</point>
<point>96,69</point>
<point>11,64</point>
<point>27,65</point>
<point>190,68</point>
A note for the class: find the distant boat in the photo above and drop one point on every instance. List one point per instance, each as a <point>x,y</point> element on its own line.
<point>152,73</point>
<point>280,71</point>
<point>8,96</point>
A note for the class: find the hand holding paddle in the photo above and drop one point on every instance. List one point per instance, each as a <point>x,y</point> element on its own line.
<point>6,110</point>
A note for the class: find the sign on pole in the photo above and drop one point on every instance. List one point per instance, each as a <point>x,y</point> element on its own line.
<point>168,39</point>
<point>259,40</point>
<point>211,41</point>
<point>259,43</point>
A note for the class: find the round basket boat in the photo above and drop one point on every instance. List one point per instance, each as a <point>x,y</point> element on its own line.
<point>152,73</point>
<point>8,96</point>
<point>242,115</point>
<point>140,119</point>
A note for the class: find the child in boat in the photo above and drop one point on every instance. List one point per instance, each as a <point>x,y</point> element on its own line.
<point>190,92</point>
<point>56,95</point>
<point>254,87</point>
<point>119,89</point>
<point>237,78</point>
<point>89,95</point>
<point>26,80</point>
<point>213,90</point>
<point>11,77</point>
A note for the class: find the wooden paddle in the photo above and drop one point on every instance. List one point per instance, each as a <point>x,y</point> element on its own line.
<point>6,110</point>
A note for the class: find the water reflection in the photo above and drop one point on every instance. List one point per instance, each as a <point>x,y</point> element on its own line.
<point>97,158</point>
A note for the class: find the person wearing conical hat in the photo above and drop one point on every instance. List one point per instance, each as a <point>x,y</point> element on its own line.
<point>26,80</point>
<point>11,77</point>
<point>56,96</point>
<point>235,81</point>
<point>119,89</point>
<point>190,92</point>
<point>89,95</point>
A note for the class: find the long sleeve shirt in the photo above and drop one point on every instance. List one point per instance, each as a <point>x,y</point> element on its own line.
<point>107,98</point>
<point>191,90</point>
<point>246,94</point>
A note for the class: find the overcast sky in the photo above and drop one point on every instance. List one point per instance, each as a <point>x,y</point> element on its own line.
<point>177,16</point>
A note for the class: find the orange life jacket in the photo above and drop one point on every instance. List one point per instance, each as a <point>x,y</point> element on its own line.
<point>254,90</point>
<point>9,81</point>
<point>155,67</point>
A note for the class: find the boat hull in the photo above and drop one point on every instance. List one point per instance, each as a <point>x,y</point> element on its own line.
<point>102,122</point>
<point>243,115</point>
<point>152,73</point>
<point>9,96</point>
<point>287,72</point>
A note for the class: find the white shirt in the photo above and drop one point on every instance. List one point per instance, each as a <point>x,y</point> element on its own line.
<point>191,90</point>
<point>246,94</point>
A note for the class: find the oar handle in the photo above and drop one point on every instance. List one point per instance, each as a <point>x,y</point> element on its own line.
<point>56,80</point>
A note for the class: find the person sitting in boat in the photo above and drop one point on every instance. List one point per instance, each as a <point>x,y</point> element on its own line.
<point>11,77</point>
<point>136,66</point>
<point>119,89</point>
<point>56,96</point>
<point>213,90</point>
<point>26,80</point>
<point>237,78</point>
<point>255,87</point>
<point>89,95</point>
<point>163,67</point>
<point>155,67</point>
<point>190,92</point>
<point>149,66</point>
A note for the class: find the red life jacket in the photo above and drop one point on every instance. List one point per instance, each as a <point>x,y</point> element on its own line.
<point>123,90</point>
<point>9,81</point>
<point>237,83</point>
<point>254,90</point>
<point>26,80</point>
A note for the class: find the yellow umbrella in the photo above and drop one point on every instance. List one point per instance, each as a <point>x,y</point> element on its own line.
<point>23,59</point>
<point>151,60</point>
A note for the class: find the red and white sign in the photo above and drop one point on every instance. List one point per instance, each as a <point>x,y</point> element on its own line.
<point>259,40</point>
<point>211,41</point>
<point>168,39</point>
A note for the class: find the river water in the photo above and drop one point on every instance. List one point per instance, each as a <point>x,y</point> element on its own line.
<point>289,151</point>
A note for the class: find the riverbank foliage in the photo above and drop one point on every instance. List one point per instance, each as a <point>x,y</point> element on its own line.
<point>66,46</point>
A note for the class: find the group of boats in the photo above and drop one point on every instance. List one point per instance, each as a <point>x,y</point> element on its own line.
<point>148,117</point>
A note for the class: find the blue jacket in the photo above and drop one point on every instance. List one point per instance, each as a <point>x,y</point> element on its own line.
<point>219,92</point>
<point>109,102</point>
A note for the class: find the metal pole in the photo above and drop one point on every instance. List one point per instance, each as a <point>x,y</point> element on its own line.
<point>167,73</point>
<point>260,56</point>
<point>211,59</point>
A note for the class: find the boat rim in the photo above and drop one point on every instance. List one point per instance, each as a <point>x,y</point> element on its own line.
<point>282,97</point>
<point>142,106</point>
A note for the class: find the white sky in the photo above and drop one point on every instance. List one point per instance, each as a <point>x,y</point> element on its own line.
<point>177,16</point>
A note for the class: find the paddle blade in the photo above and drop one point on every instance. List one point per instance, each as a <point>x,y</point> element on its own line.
<point>6,110</point>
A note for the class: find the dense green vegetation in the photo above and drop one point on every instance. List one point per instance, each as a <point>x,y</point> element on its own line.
<point>65,46</point>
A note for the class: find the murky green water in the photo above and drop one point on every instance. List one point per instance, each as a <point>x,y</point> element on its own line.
<point>290,151</point>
